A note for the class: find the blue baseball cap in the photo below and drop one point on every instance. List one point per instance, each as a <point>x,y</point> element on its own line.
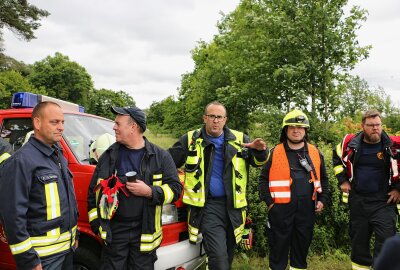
<point>134,112</point>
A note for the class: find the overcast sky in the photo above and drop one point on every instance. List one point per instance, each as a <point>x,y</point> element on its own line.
<point>143,47</point>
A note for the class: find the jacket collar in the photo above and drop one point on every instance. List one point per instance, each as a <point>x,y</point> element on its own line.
<point>44,148</point>
<point>149,150</point>
<point>356,141</point>
<point>228,135</point>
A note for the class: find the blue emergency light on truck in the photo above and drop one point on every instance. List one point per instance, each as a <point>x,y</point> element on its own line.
<point>30,100</point>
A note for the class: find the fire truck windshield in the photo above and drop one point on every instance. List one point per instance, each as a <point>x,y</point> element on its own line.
<point>81,130</point>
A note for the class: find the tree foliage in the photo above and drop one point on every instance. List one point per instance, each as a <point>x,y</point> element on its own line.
<point>12,81</point>
<point>62,78</point>
<point>100,102</point>
<point>20,17</point>
<point>279,53</point>
<point>9,63</point>
<point>168,117</point>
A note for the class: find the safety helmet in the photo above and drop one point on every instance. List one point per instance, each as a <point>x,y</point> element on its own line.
<point>100,145</point>
<point>296,118</point>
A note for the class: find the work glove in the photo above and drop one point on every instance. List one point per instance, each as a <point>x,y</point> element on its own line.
<point>247,237</point>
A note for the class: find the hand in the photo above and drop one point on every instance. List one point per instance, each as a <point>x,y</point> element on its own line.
<point>38,267</point>
<point>257,144</point>
<point>319,207</point>
<point>76,244</point>
<point>345,187</point>
<point>394,196</point>
<point>270,206</point>
<point>139,188</point>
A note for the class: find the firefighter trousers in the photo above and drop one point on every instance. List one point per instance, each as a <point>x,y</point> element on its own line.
<point>369,214</point>
<point>290,230</point>
<point>63,262</point>
<point>124,251</point>
<point>218,237</point>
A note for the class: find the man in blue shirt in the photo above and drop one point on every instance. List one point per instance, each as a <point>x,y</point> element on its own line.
<point>216,161</point>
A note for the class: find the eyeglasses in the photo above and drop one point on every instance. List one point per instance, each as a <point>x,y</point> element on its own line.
<point>374,125</point>
<point>212,117</point>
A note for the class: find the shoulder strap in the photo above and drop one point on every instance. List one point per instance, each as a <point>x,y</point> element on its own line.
<point>345,150</point>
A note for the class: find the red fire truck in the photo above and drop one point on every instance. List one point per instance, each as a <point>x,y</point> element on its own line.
<point>80,130</point>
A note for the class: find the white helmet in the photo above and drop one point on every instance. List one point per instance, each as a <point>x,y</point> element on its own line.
<point>100,145</point>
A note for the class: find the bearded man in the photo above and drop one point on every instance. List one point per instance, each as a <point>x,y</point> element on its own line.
<point>363,167</point>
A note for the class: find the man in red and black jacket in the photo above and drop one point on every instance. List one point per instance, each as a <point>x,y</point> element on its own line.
<point>363,167</point>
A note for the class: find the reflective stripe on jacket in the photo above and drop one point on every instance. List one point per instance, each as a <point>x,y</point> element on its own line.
<point>37,203</point>
<point>347,152</point>
<point>159,172</point>
<point>236,158</point>
<point>279,174</point>
<point>194,188</point>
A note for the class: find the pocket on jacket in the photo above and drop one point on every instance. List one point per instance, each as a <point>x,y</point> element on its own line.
<point>42,227</point>
<point>46,177</point>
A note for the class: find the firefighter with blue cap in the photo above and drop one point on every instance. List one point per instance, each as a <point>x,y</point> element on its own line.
<point>133,179</point>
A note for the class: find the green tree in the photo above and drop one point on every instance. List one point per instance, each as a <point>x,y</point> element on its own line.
<point>9,63</point>
<point>62,78</point>
<point>289,53</point>
<point>20,17</point>
<point>100,102</point>
<point>168,116</point>
<point>12,81</point>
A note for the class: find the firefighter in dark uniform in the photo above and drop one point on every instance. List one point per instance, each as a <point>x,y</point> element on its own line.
<point>132,231</point>
<point>5,150</point>
<point>37,201</point>
<point>216,162</point>
<point>363,169</point>
<point>294,185</point>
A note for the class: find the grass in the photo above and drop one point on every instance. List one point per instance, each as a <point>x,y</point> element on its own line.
<point>163,140</point>
<point>333,261</point>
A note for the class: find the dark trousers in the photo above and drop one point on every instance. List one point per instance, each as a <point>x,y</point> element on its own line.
<point>218,237</point>
<point>290,230</point>
<point>64,262</point>
<point>124,251</point>
<point>369,214</point>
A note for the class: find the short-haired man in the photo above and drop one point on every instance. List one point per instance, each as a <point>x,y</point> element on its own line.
<point>216,162</point>
<point>37,200</point>
<point>132,232</point>
<point>362,165</point>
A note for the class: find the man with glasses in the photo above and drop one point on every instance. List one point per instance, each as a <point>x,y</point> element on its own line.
<point>216,161</point>
<point>363,167</point>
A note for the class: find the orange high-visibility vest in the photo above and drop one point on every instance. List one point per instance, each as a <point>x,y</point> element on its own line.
<point>279,174</point>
